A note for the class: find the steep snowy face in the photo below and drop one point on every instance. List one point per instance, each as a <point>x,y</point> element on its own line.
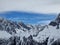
<point>54,35</point>
<point>50,32</point>
<point>20,33</point>
<point>4,35</point>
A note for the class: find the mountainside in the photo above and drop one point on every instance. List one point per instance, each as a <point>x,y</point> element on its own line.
<point>18,33</point>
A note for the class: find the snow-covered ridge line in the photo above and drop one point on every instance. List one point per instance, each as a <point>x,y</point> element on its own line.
<point>19,33</point>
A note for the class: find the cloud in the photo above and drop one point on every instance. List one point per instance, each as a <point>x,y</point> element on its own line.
<point>39,6</point>
<point>31,20</point>
<point>44,22</point>
<point>55,1</point>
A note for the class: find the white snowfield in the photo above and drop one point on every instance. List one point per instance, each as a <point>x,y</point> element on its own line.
<point>21,33</point>
<point>4,35</point>
<point>50,32</point>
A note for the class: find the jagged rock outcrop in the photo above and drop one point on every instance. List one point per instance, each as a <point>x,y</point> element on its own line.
<point>10,26</point>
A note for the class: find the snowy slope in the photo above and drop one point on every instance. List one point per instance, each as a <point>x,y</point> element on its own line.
<point>50,32</point>
<point>4,35</point>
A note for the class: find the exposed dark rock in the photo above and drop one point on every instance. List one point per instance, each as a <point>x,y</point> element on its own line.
<point>23,25</point>
<point>56,22</point>
<point>52,23</point>
<point>57,42</point>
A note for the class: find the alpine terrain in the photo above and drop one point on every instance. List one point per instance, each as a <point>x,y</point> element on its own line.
<point>19,33</point>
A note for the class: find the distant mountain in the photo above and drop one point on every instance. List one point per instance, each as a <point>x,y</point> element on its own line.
<point>18,29</point>
<point>19,33</point>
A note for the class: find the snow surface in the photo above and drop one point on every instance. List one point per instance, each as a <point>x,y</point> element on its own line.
<point>50,32</point>
<point>21,33</point>
<point>4,35</point>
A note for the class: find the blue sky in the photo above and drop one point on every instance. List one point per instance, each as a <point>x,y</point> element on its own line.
<point>28,17</point>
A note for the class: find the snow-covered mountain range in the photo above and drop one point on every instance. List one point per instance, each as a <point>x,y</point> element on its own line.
<point>18,33</point>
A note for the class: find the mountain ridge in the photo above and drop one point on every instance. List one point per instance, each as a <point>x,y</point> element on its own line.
<point>23,34</point>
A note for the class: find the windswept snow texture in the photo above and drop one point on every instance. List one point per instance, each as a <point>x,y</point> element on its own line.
<point>50,32</point>
<point>4,35</point>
